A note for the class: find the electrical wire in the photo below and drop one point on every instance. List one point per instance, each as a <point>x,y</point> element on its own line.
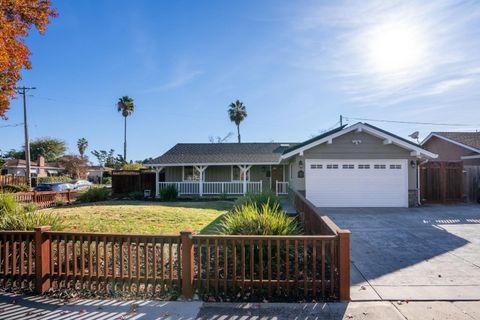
<point>414,122</point>
<point>12,125</point>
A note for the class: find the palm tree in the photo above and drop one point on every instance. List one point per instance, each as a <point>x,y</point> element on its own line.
<point>82,145</point>
<point>126,107</point>
<point>237,113</point>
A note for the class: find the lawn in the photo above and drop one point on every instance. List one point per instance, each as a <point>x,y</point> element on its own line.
<point>140,217</point>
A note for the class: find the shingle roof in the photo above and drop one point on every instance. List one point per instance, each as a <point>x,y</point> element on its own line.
<point>471,139</point>
<point>198,153</point>
<point>320,136</point>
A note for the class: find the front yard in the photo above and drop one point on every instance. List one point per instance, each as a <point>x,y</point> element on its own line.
<point>141,217</point>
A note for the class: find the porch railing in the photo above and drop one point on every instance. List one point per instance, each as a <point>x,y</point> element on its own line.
<point>281,187</point>
<point>213,188</point>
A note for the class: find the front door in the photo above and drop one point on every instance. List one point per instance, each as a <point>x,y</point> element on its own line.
<point>277,175</point>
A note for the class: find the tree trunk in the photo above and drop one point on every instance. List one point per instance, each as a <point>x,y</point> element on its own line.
<point>238,132</point>
<point>125,141</point>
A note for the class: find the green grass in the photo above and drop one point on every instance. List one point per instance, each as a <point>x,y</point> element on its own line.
<point>140,217</point>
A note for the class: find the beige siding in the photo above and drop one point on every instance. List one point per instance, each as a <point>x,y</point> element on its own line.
<point>294,181</point>
<point>173,174</point>
<point>218,174</point>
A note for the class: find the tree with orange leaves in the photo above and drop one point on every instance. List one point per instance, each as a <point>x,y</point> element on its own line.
<point>16,19</point>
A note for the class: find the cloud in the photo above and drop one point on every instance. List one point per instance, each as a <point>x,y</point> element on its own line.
<point>183,73</point>
<point>336,39</point>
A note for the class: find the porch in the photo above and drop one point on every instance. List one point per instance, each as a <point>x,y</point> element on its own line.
<point>214,180</point>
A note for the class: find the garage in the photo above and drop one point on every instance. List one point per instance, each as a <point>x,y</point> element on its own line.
<point>357,183</point>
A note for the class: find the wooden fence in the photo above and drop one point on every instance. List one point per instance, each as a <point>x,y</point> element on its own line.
<point>45,199</point>
<point>274,267</point>
<point>125,182</point>
<point>15,180</point>
<point>472,183</point>
<point>441,182</point>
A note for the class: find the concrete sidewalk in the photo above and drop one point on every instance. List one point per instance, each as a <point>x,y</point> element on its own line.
<point>375,310</point>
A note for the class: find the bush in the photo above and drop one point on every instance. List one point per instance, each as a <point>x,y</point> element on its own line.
<point>94,195</point>
<point>13,188</point>
<point>253,220</point>
<point>258,199</point>
<point>107,180</point>
<point>136,195</point>
<point>24,217</point>
<point>53,179</point>
<point>169,193</point>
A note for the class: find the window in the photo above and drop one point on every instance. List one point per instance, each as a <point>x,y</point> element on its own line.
<point>363,166</point>
<point>237,174</point>
<point>380,166</point>
<point>191,174</point>
<point>316,166</point>
<point>395,166</point>
<point>348,166</point>
<point>332,166</point>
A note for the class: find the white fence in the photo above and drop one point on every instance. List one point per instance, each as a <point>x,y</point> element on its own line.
<point>213,188</point>
<point>281,187</point>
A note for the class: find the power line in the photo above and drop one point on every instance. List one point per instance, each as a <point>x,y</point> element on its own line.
<point>414,122</point>
<point>12,125</point>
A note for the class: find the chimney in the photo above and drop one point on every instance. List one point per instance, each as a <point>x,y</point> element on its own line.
<point>40,161</point>
<point>41,164</point>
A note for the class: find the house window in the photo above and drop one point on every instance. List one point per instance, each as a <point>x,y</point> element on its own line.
<point>348,166</point>
<point>237,174</point>
<point>395,166</point>
<point>332,166</point>
<point>191,174</point>
<point>363,166</point>
<point>316,166</point>
<point>379,166</point>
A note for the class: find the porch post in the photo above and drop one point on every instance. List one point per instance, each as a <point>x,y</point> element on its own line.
<point>201,169</point>
<point>157,181</point>
<point>244,170</point>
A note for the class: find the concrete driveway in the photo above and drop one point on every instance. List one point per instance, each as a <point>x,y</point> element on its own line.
<point>426,253</point>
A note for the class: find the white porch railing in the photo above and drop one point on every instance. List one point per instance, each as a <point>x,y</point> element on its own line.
<point>213,188</point>
<point>281,187</point>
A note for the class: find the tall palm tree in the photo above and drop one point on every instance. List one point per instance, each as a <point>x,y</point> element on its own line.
<point>237,113</point>
<point>82,145</point>
<point>126,107</point>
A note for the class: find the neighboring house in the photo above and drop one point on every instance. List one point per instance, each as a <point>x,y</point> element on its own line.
<point>356,166</point>
<point>95,173</point>
<point>455,146</point>
<point>38,168</point>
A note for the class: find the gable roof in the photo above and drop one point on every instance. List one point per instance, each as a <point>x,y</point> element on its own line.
<point>327,137</point>
<point>316,138</point>
<point>21,163</point>
<point>468,140</point>
<point>222,153</point>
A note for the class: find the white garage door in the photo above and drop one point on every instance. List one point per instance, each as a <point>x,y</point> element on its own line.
<point>357,183</point>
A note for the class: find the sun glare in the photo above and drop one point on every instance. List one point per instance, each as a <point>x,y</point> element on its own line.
<point>394,47</point>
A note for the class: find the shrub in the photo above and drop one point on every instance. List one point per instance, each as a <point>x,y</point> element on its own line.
<point>251,219</point>
<point>13,188</point>
<point>94,195</point>
<point>107,180</point>
<point>258,199</point>
<point>24,217</point>
<point>136,195</point>
<point>53,179</point>
<point>169,193</point>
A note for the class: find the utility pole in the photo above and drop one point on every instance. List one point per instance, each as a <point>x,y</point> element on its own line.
<point>23,91</point>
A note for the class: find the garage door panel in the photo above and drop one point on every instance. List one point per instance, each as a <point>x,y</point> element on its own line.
<point>383,184</point>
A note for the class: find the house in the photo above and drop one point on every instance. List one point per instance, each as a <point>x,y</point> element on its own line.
<point>38,168</point>
<point>355,166</point>
<point>455,146</point>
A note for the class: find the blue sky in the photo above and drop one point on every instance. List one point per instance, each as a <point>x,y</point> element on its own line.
<point>296,65</point>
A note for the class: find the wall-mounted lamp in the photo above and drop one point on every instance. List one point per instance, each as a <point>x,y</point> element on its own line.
<point>300,165</point>
<point>412,163</point>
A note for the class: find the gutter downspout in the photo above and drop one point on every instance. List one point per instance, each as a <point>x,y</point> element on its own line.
<point>419,202</point>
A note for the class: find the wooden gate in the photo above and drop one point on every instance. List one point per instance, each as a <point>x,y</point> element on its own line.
<point>441,182</point>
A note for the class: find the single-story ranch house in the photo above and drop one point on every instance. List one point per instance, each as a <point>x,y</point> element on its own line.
<point>355,166</point>
<point>455,146</point>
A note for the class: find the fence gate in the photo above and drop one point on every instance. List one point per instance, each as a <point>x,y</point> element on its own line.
<point>441,182</point>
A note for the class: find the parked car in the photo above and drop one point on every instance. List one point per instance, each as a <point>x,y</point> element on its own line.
<point>81,184</point>
<point>59,186</point>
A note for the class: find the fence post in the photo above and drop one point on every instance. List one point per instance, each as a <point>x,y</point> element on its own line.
<point>187,264</point>
<point>34,200</point>
<point>42,260</point>
<point>344,264</point>
<point>68,196</point>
